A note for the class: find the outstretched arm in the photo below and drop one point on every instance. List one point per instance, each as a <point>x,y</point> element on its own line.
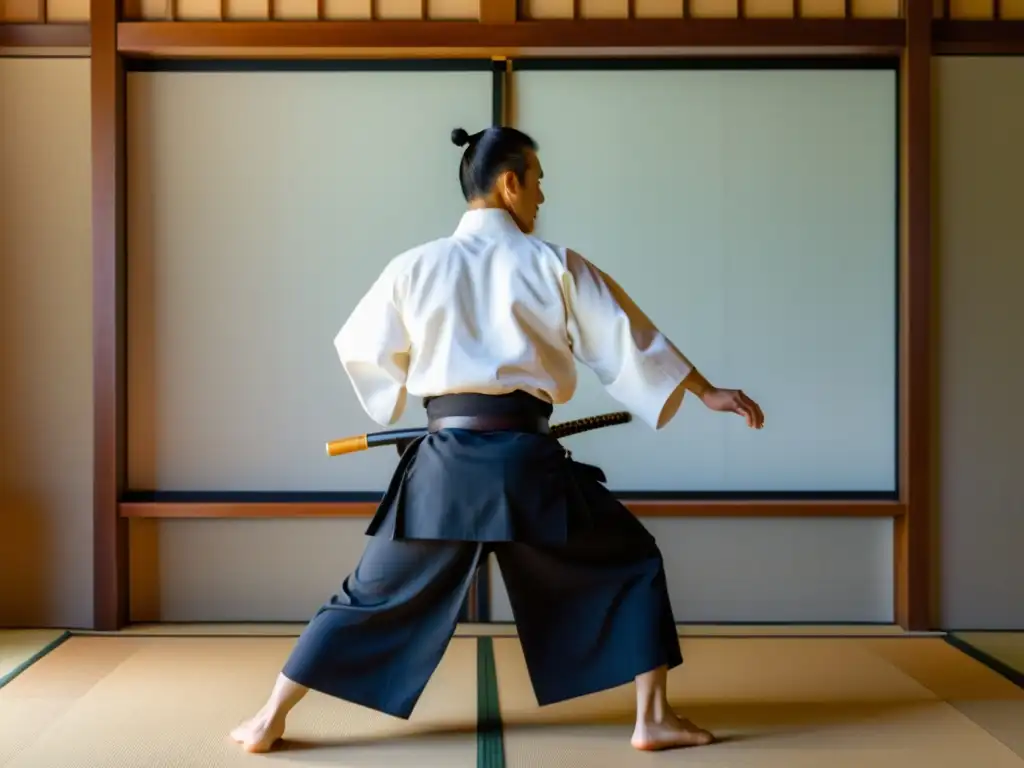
<point>637,364</point>
<point>373,347</point>
<point>634,361</point>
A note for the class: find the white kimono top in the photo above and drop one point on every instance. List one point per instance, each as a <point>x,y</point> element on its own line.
<point>492,310</point>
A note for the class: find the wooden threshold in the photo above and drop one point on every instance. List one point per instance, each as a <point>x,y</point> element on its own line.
<point>363,509</point>
<point>591,37</point>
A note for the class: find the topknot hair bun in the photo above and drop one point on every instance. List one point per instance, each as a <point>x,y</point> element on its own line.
<point>459,137</point>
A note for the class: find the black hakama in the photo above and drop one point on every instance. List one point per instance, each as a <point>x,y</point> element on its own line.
<point>584,577</point>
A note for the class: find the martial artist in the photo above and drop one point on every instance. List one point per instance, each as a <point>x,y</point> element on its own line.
<point>486,325</point>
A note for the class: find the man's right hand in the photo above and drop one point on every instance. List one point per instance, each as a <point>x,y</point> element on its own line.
<point>734,401</point>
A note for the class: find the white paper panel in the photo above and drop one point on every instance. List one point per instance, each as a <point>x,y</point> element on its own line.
<point>752,214</point>
<point>262,205</point>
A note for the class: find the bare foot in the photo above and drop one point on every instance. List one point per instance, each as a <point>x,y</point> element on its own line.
<point>259,734</point>
<point>671,733</point>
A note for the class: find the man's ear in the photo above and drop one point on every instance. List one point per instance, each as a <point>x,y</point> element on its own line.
<point>509,184</point>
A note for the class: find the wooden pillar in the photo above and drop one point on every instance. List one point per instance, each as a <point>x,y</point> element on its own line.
<point>913,530</point>
<point>110,540</point>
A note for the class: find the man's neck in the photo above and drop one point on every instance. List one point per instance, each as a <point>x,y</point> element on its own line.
<point>486,204</point>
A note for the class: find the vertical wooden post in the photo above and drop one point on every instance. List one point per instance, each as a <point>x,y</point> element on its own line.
<point>913,531</point>
<point>110,540</point>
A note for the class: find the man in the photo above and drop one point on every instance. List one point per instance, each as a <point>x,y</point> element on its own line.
<point>486,325</point>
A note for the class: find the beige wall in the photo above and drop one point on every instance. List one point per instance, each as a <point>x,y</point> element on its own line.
<point>45,344</point>
<point>45,390</point>
<point>979,226</point>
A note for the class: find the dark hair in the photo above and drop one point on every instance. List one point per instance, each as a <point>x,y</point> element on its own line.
<point>488,154</point>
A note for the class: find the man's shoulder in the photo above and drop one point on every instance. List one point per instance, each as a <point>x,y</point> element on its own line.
<point>572,259</point>
<point>431,252</point>
<point>416,254</point>
<point>569,259</point>
<point>550,247</point>
<point>426,248</point>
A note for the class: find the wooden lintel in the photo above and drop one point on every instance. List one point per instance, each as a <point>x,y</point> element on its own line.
<point>965,38</point>
<point>949,37</point>
<point>523,38</point>
<point>44,36</point>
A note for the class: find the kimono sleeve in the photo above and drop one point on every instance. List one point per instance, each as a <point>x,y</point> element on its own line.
<point>634,361</point>
<point>373,346</point>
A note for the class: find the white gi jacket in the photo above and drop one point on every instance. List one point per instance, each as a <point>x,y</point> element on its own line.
<point>492,310</point>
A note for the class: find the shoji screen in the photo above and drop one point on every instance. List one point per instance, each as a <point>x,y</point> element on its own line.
<point>262,204</point>
<point>752,213</point>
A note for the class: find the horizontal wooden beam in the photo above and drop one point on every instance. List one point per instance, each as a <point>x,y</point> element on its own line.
<point>525,38</point>
<point>361,509</point>
<point>44,36</point>
<point>612,37</point>
<point>951,38</point>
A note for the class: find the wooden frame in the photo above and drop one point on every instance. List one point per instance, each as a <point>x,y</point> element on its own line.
<point>44,36</point>
<point>966,38</point>
<point>912,532</point>
<point>916,34</point>
<point>110,530</point>
<point>364,509</point>
<point>821,36</point>
<point>521,39</point>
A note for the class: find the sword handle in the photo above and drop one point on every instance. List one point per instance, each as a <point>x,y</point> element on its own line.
<point>347,445</point>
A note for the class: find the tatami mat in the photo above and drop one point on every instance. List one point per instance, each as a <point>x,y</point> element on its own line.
<point>727,630</point>
<point>1007,647</point>
<point>20,646</point>
<point>790,630</point>
<point>148,699</point>
<point>280,630</point>
<point>509,630</point>
<point>778,702</point>
<point>106,702</point>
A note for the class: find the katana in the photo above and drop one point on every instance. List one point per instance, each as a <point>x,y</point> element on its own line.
<point>402,437</point>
